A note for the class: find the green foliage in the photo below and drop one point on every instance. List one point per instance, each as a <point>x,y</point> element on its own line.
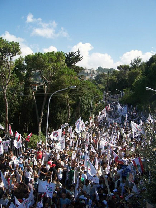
<point>88,95</point>
<point>72,58</point>
<point>123,67</point>
<point>7,51</point>
<point>136,63</point>
<point>132,75</point>
<point>34,139</point>
<point>101,70</point>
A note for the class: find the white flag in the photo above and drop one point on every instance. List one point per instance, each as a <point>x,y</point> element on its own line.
<point>78,125</point>
<point>17,144</point>
<point>1,149</point>
<point>4,180</point>
<point>91,170</point>
<point>17,202</point>
<point>6,145</point>
<point>56,135</point>
<point>46,187</point>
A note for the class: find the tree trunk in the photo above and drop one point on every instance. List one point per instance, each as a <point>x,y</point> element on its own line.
<point>36,112</point>
<point>42,113</point>
<point>6,111</point>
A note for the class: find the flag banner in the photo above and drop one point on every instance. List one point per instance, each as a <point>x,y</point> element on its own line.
<point>27,202</point>
<point>82,125</point>
<point>96,163</point>
<point>116,158</point>
<point>6,145</point>
<point>149,119</point>
<point>62,142</point>
<point>70,131</point>
<point>138,164</point>
<point>17,203</point>
<point>86,147</point>
<point>136,127</point>
<point>17,144</point>
<point>56,135</point>
<point>45,187</point>
<point>91,170</point>
<point>73,155</point>
<point>1,149</point>
<point>93,179</point>
<point>86,162</point>
<point>60,145</point>
<point>76,188</point>
<point>78,125</point>
<point>1,127</point>
<point>17,136</point>
<point>28,137</point>
<point>4,181</point>
<point>10,131</point>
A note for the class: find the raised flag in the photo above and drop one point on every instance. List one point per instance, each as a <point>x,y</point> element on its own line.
<point>2,127</point>
<point>116,158</point>
<point>138,164</point>
<point>76,188</point>
<point>6,145</point>
<point>45,187</point>
<point>28,137</point>
<point>27,202</point>
<point>78,125</point>
<point>86,162</point>
<point>70,131</point>
<point>10,131</point>
<point>17,203</point>
<point>18,143</point>
<point>135,127</point>
<point>4,181</point>
<point>56,135</point>
<point>1,149</point>
<point>91,170</point>
<point>17,136</point>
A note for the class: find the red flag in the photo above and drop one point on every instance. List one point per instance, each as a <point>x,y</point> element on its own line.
<point>17,136</point>
<point>116,158</point>
<point>10,130</point>
<point>138,163</point>
<point>28,137</point>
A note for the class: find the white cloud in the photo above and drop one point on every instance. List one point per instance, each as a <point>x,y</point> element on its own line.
<point>25,50</point>
<point>131,55</point>
<point>47,30</point>
<point>30,18</point>
<point>94,60</point>
<point>44,32</point>
<point>50,49</point>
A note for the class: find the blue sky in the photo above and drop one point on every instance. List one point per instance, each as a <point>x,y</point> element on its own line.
<point>107,32</point>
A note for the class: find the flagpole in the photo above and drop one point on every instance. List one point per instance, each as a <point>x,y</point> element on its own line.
<point>71,87</point>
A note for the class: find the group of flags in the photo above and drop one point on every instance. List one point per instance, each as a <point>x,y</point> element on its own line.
<point>4,144</point>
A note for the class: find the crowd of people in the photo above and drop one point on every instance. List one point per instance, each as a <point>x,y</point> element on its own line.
<point>93,164</point>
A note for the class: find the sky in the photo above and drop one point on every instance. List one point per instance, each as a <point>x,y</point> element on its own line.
<point>108,33</point>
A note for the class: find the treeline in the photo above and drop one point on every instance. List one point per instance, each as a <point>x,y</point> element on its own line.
<point>132,81</point>
<point>26,85</point>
